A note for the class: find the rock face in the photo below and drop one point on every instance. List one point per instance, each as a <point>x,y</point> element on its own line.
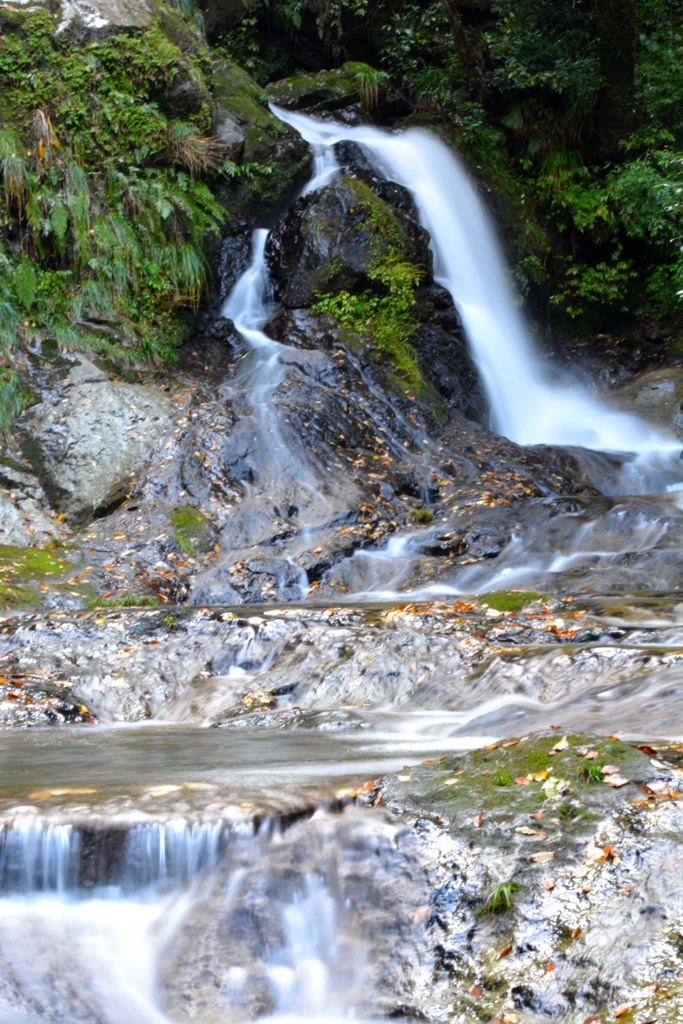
<point>274,157</point>
<point>85,451</point>
<point>657,397</point>
<point>332,239</point>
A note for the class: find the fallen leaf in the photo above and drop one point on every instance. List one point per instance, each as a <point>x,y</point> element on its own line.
<point>544,857</point>
<point>624,1008</point>
<point>522,780</point>
<point>504,951</point>
<point>549,884</point>
<point>596,853</point>
<point>477,821</point>
<point>526,830</point>
<point>616,781</point>
<point>560,745</point>
<point>475,991</point>
<point>537,815</point>
<point>550,966</point>
<point>610,769</point>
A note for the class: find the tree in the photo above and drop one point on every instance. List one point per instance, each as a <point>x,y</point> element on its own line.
<point>617,39</point>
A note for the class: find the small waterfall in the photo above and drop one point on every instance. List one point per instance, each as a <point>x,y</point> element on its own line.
<point>525,406</point>
<point>38,855</point>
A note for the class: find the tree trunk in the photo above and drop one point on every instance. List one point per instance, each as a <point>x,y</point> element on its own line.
<point>457,31</point>
<point>617,51</point>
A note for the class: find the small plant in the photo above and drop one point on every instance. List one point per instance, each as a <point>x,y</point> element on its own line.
<point>123,600</point>
<point>501,777</point>
<point>420,515</point>
<point>591,773</point>
<point>500,898</point>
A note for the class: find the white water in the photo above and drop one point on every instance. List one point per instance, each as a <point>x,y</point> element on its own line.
<point>525,406</point>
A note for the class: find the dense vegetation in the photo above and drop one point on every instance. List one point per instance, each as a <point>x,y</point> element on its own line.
<point>108,172</point>
<point>104,216</point>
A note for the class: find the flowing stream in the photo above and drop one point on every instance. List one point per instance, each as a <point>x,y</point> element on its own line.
<point>109,895</point>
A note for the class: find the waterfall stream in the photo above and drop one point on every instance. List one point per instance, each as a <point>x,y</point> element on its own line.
<point>199,873</point>
<point>524,405</point>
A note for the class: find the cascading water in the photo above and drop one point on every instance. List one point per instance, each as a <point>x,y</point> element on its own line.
<point>524,406</point>
<point>132,919</point>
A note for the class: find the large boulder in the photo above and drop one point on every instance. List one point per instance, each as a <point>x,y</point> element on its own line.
<point>273,158</point>
<point>85,449</point>
<point>333,238</point>
<point>657,397</point>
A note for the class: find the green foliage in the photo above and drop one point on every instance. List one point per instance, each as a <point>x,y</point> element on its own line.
<point>500,898</point>
<point>123,600</point>
<point>384,313</point>
<point>104,213</point>
<point>421,515</point>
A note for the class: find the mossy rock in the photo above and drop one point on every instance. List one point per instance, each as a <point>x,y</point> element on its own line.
<point>509,780</point>
<point>37,577</point>
<point>511,600</point>
<point>273,161</point>
<point>320,90</point>
<point>332,239</point>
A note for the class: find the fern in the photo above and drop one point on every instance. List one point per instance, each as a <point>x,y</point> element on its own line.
<point>25,284</point>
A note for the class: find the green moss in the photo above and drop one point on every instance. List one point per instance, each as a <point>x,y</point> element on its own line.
<point>11,596</point>
<point>123,600</point>
<point>29,564</point>
<point>421,515</point>
<point>191,529</point>
<point>491,792</point>
<point>511,600</point>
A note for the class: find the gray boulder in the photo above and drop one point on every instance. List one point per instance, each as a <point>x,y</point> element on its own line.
<point>85,449</point>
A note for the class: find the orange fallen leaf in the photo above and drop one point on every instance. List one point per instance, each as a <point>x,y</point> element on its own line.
<point>522,780</point>
<point>550,966</point>
<point>475,991</point>
<point>549,884</point>
<point>504,951</point>
<point>624,1008</point>
<point>576,931</point>
<point>477,821</point>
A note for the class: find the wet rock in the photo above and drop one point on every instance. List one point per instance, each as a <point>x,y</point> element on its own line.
<point>85,452</point>
<point>331,239</point>
<point>656,396</point>
<point>556,862</point>
<point>320,901</point>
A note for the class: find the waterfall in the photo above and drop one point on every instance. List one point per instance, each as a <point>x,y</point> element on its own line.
<point>525,406</point>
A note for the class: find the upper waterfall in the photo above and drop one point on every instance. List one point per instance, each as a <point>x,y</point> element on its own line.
<point>525,406</point>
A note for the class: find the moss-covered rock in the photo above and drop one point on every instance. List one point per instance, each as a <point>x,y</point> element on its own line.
<point>320,90</point>
<point>192,531</point>
<point>272,158</point>
<point>334,238</point>
<point>550,848</point>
